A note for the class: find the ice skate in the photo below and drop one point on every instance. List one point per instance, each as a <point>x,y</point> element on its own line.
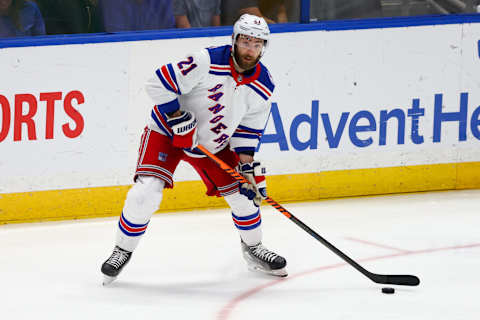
<point>261,259</point>
<point>114,264</point>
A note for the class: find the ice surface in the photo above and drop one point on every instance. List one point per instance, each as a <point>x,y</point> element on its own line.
<point>189,265</point>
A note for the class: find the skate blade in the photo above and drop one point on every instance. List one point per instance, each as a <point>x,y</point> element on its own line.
<point>107,280</point>
<point>277,273</point>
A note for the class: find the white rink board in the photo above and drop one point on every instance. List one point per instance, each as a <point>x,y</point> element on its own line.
<point>336,74</point>
<point>98,155</point>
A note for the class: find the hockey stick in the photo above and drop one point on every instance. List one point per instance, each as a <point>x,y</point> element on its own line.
<point>404,280</point>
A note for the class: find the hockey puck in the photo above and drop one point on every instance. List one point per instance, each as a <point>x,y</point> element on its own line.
<point>388,290</point>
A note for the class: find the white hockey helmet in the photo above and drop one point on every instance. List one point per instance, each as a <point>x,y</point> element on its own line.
<point>252,26</point>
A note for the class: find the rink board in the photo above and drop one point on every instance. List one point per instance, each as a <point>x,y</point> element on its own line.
<point>190,195</point>
<point>355,112</point>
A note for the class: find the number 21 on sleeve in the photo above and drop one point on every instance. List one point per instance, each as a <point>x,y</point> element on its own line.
<point>186,66</point>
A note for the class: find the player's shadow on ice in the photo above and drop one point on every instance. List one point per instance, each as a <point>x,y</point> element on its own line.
<point>221,286</point>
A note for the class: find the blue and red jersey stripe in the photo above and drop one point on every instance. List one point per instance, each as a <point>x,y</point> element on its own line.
<point>248,133</point>
<point>168,78</point>
<point>159,119</point>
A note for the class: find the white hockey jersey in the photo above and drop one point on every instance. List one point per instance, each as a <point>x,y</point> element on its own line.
<point>231,108</point>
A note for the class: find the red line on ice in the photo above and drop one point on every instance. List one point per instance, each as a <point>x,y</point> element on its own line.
<point>225,311</point>
<point>376,244</point>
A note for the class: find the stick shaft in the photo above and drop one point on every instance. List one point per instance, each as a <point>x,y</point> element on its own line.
<point>378,278</point>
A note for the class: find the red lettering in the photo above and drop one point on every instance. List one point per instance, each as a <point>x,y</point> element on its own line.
<point>27,118</point>
<point>50,98</point>
<point>21,116</point>
<point>216,108</point>
<point>216,119</point>
<point>5,117</point>
<point>74,114</point>
<point>218,128</point>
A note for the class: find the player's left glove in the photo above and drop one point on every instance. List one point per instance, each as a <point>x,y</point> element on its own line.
<point>256,190</point>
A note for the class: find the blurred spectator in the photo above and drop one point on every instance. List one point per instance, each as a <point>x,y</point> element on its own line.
<point>293,9</point>
<point>450,6</point>
<point>72,16</point>
<point>132,15</point>
<point>20,18</point>
<point>322,10</point>
<point>196,13</point>
<point>345,9</point>
<point>274,10</point>
<point>231,10</point>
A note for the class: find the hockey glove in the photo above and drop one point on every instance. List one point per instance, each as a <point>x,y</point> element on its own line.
<point>184,127</point>
<point>256,190</point>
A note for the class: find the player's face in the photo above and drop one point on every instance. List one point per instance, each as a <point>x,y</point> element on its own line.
<point>248,51</point>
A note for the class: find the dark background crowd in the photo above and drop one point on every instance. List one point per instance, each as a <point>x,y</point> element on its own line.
<point>39,17</point>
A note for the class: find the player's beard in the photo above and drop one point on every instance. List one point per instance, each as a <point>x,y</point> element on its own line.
<point>245,64</point>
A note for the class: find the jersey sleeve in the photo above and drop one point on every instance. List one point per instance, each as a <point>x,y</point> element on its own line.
<point>250,130</point>
<point>174,79</point>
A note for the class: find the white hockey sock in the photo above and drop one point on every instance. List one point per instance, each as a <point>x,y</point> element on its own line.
<point>246,218</point>
<point>143,199</point>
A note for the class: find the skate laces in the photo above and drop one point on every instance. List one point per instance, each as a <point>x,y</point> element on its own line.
<point>263,253</point>
<point>118,257</point>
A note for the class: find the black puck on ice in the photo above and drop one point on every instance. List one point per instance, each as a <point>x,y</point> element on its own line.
<point>388,290</point>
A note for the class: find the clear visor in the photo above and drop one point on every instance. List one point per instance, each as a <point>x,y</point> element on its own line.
<point>252,43</point>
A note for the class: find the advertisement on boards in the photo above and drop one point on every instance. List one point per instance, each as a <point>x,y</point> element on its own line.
<point>64,112</point>
<point>354,99</point>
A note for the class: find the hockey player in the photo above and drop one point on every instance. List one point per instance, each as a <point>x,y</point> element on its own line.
<point>219,98</point>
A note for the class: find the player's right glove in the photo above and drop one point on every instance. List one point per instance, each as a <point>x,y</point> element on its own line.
<point>184,127</point>
<point>256,190</point>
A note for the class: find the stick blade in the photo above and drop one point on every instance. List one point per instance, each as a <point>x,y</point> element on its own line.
<point>400,279</point>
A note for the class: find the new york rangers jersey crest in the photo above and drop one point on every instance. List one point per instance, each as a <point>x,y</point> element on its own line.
<point>231,108</point>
